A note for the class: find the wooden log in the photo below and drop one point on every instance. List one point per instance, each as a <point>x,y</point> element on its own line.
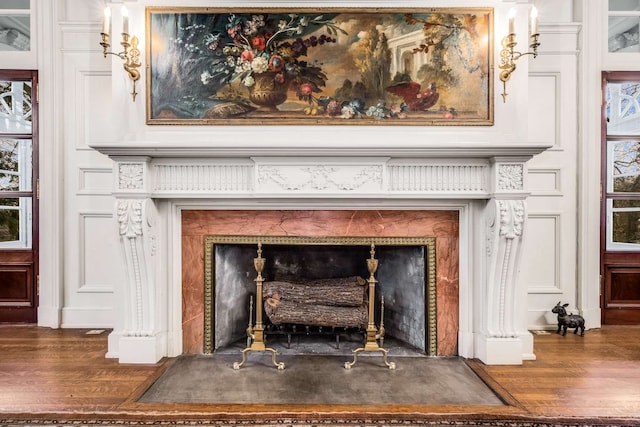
<point>339,281</point>
<point>342,292</point>
<point>288,312</point>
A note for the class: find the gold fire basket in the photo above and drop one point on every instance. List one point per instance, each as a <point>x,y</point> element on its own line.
<point>255,334</point>
<point>373,334</point>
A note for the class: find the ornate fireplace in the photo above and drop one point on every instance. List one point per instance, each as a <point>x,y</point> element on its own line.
<point>159,184</point>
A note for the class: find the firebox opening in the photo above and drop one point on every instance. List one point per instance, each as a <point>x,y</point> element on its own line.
<point>405,278</point>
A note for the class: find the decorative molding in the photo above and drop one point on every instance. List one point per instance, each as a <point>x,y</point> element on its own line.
<point>139,319</point>
<point>505,220</point>
<point>84,172</point>
<point>206,178</point>
<point>83,287</point>
<point>430,262</point>
<point>262,419</point>
<point>554,231</point>
<point>491,232</point>
<point>199,146</point>
<point>130,218</point>
<point>130,176</point>
<point>536,174</point>
<point>548,105</point>
<point>511,176</point>
<point>342,178</point>
<point>438,177</point>
<point>82,100</point>
<point>511,218</point>
<point>304,176</point>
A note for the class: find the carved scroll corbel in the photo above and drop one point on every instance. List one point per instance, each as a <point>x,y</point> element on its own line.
<point>505,224</point>
<point>136,218</point>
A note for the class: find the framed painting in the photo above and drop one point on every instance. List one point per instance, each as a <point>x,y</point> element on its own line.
<point>333,66</point>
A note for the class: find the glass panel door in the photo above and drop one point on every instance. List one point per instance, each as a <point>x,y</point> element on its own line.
<point>621,195</point>
<point>16,164</point>
<point>18,195</point>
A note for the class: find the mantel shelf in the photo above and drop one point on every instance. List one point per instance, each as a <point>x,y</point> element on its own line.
<point>479,150</point>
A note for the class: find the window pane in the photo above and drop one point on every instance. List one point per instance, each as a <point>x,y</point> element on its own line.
<point>623,34</point>
<point>623,108</point>
<point>15,32</point>
<point>622,5</point>
<point>15,222</point>
<point>620,204</point>
<point>626,226</point>
<point>15,107</point>
<point>623,159</point>
<point>15,165</point>
<point>15,25</point>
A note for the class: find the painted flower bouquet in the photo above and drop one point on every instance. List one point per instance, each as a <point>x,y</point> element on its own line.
<point>264,53</point>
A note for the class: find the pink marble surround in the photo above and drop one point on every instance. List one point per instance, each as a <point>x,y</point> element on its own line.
<point>443,225</point>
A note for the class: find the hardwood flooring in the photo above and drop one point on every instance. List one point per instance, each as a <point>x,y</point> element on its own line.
<point>52,373</point>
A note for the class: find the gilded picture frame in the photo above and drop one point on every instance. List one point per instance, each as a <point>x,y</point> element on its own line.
<point>311,66</point>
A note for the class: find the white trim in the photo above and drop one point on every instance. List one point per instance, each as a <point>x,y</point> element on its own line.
<point>50,154</point>
<point>555,287</point>
<point>87,317</point>
<point>83,190</point>
<point>588,289</point>
<point>83,286</point>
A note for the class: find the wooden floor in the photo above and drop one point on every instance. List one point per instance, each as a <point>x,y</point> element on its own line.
<point>55,373</point>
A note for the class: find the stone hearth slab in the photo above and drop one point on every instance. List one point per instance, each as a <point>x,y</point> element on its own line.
<point>202,379</point>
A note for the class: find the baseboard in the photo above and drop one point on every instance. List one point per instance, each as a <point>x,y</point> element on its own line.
<point>49,317</point>
<point>87,317</point>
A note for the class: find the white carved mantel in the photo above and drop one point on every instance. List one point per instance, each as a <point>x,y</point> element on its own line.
<point>486,183</point>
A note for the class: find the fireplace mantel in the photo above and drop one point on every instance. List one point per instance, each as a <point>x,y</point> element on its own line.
<point>206,149</point>
<point>486,183</point>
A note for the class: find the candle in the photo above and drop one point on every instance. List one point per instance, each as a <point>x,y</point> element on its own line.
<point>534,20</point>
<point>125,20</point>
<point>106,21</point>
<point>512,21</point>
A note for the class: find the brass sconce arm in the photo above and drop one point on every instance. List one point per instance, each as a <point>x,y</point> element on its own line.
<point>130,55</point>
<point>508,54</point>
<point>508,58</point>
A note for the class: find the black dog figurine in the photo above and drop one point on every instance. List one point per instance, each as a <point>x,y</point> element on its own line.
<point>568,320</point>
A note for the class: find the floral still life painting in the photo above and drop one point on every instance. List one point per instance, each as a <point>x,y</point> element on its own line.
<point>310,66</point>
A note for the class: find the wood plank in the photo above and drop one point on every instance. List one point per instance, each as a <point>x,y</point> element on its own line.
<point>61,371</point>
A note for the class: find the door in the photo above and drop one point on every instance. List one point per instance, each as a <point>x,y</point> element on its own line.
<point>620,230</point>
<point>18,196</point>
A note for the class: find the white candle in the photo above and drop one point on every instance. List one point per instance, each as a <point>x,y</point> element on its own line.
<point>125,20</point>
<point>106,21</point>
<point>534,20</point>
<point>512,21</point>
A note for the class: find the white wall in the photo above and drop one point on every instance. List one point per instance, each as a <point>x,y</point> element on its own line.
<point>550,252</point>
<point>88,102</point>
<point>91,264</point>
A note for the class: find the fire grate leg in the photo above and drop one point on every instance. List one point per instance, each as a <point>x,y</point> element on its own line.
<point>256,334</point>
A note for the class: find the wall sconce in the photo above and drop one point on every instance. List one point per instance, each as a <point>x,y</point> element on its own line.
<point>130,54</point>
<point>508,56</point>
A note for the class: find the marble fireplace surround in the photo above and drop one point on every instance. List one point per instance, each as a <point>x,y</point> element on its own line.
<point>443,225</point>
<point>157,184</point>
